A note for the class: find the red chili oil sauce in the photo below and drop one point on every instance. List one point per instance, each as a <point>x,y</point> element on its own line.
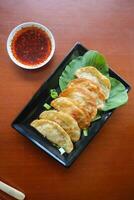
<point>31,46</point>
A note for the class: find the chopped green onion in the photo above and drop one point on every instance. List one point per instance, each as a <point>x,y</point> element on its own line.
<point>61,150</point>
<point>55,145</point>
<point>53,93</point>
<point>47,106</point>
<point>85,132</point>
<point>96,118</point>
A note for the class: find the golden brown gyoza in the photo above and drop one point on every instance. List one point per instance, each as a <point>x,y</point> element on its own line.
<point>92,87</point>
<point>82,98</point>
<point>94,75</point>
<point>54,133</point>
<point>66,121</point>
<point>66,105</point>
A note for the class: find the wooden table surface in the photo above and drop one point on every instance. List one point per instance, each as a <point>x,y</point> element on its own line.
<point>105,170</point>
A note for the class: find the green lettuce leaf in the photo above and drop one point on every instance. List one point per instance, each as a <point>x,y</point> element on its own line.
<point>118,95</point>
<point>92,58</point>
<point>69,71</point>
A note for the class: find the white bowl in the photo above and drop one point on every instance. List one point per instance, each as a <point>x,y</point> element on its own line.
<point>29,24</point>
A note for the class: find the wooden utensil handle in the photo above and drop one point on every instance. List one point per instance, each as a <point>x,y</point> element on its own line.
<point>11,191</point>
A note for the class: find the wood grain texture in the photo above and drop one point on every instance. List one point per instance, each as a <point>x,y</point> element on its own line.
<point>105,170</point>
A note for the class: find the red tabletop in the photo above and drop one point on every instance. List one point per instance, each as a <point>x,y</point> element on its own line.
<point>105,170</point>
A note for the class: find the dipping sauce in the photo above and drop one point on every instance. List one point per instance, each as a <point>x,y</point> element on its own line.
<point>31,46</point>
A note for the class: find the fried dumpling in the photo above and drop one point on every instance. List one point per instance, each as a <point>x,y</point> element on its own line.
<point>92,87</point>
<point>94,75</point>
<point>54,133</point>
<point>84,83</point>
<point>65,105</point>
<point>82,98</point>
<point>68,123</point>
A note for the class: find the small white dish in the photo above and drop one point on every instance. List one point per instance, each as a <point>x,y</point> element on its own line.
<point>18,28</point>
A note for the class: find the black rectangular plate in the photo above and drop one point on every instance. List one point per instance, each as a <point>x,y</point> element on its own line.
<point>35,107</point>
